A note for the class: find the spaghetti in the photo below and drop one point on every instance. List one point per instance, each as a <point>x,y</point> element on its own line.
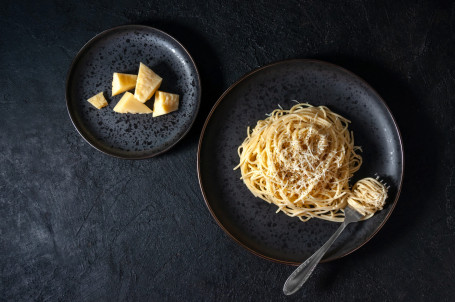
<point>302,159</point>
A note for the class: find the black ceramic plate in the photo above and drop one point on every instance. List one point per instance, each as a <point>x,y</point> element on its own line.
<point>251,221</point>
<point>121,49</point>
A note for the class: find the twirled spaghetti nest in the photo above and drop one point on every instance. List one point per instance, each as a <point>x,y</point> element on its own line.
<point>302,159</point>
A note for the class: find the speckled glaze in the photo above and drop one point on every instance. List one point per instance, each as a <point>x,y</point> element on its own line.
<point>121,49</point>
<point>251,221</point>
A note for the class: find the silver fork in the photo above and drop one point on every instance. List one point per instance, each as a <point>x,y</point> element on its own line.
<point>301,274</point>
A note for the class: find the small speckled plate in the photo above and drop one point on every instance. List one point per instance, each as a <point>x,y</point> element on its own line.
<point>252,222</point>
<point>121,49</point>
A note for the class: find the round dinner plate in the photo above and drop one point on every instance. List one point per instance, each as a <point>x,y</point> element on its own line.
<point>252,222</point>
<point>121,49</point>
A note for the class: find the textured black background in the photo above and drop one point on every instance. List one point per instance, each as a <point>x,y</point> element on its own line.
<point>78,225</point>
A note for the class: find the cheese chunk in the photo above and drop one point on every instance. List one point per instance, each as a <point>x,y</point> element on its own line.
<point>98,100</point>
<point>147,83</point>
<point>122,82</point>
<point>128,104</point>
<point>165,103</point>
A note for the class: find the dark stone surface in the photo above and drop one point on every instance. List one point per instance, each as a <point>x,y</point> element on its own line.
<point>78,225</point>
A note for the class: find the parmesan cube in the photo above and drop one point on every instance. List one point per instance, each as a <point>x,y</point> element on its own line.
<point>128,104</point>
<point>147,83</point>
<point>122,82</point>
<point>98,101</point>
<point>165,102</point>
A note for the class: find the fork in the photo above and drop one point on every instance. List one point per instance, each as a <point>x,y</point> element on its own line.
<point>303,272</point>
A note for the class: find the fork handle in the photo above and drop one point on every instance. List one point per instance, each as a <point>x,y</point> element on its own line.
<point>301,274</point>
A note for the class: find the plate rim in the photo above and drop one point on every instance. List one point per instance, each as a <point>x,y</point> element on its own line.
<point>249,74</point>
<point>78,57</point>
